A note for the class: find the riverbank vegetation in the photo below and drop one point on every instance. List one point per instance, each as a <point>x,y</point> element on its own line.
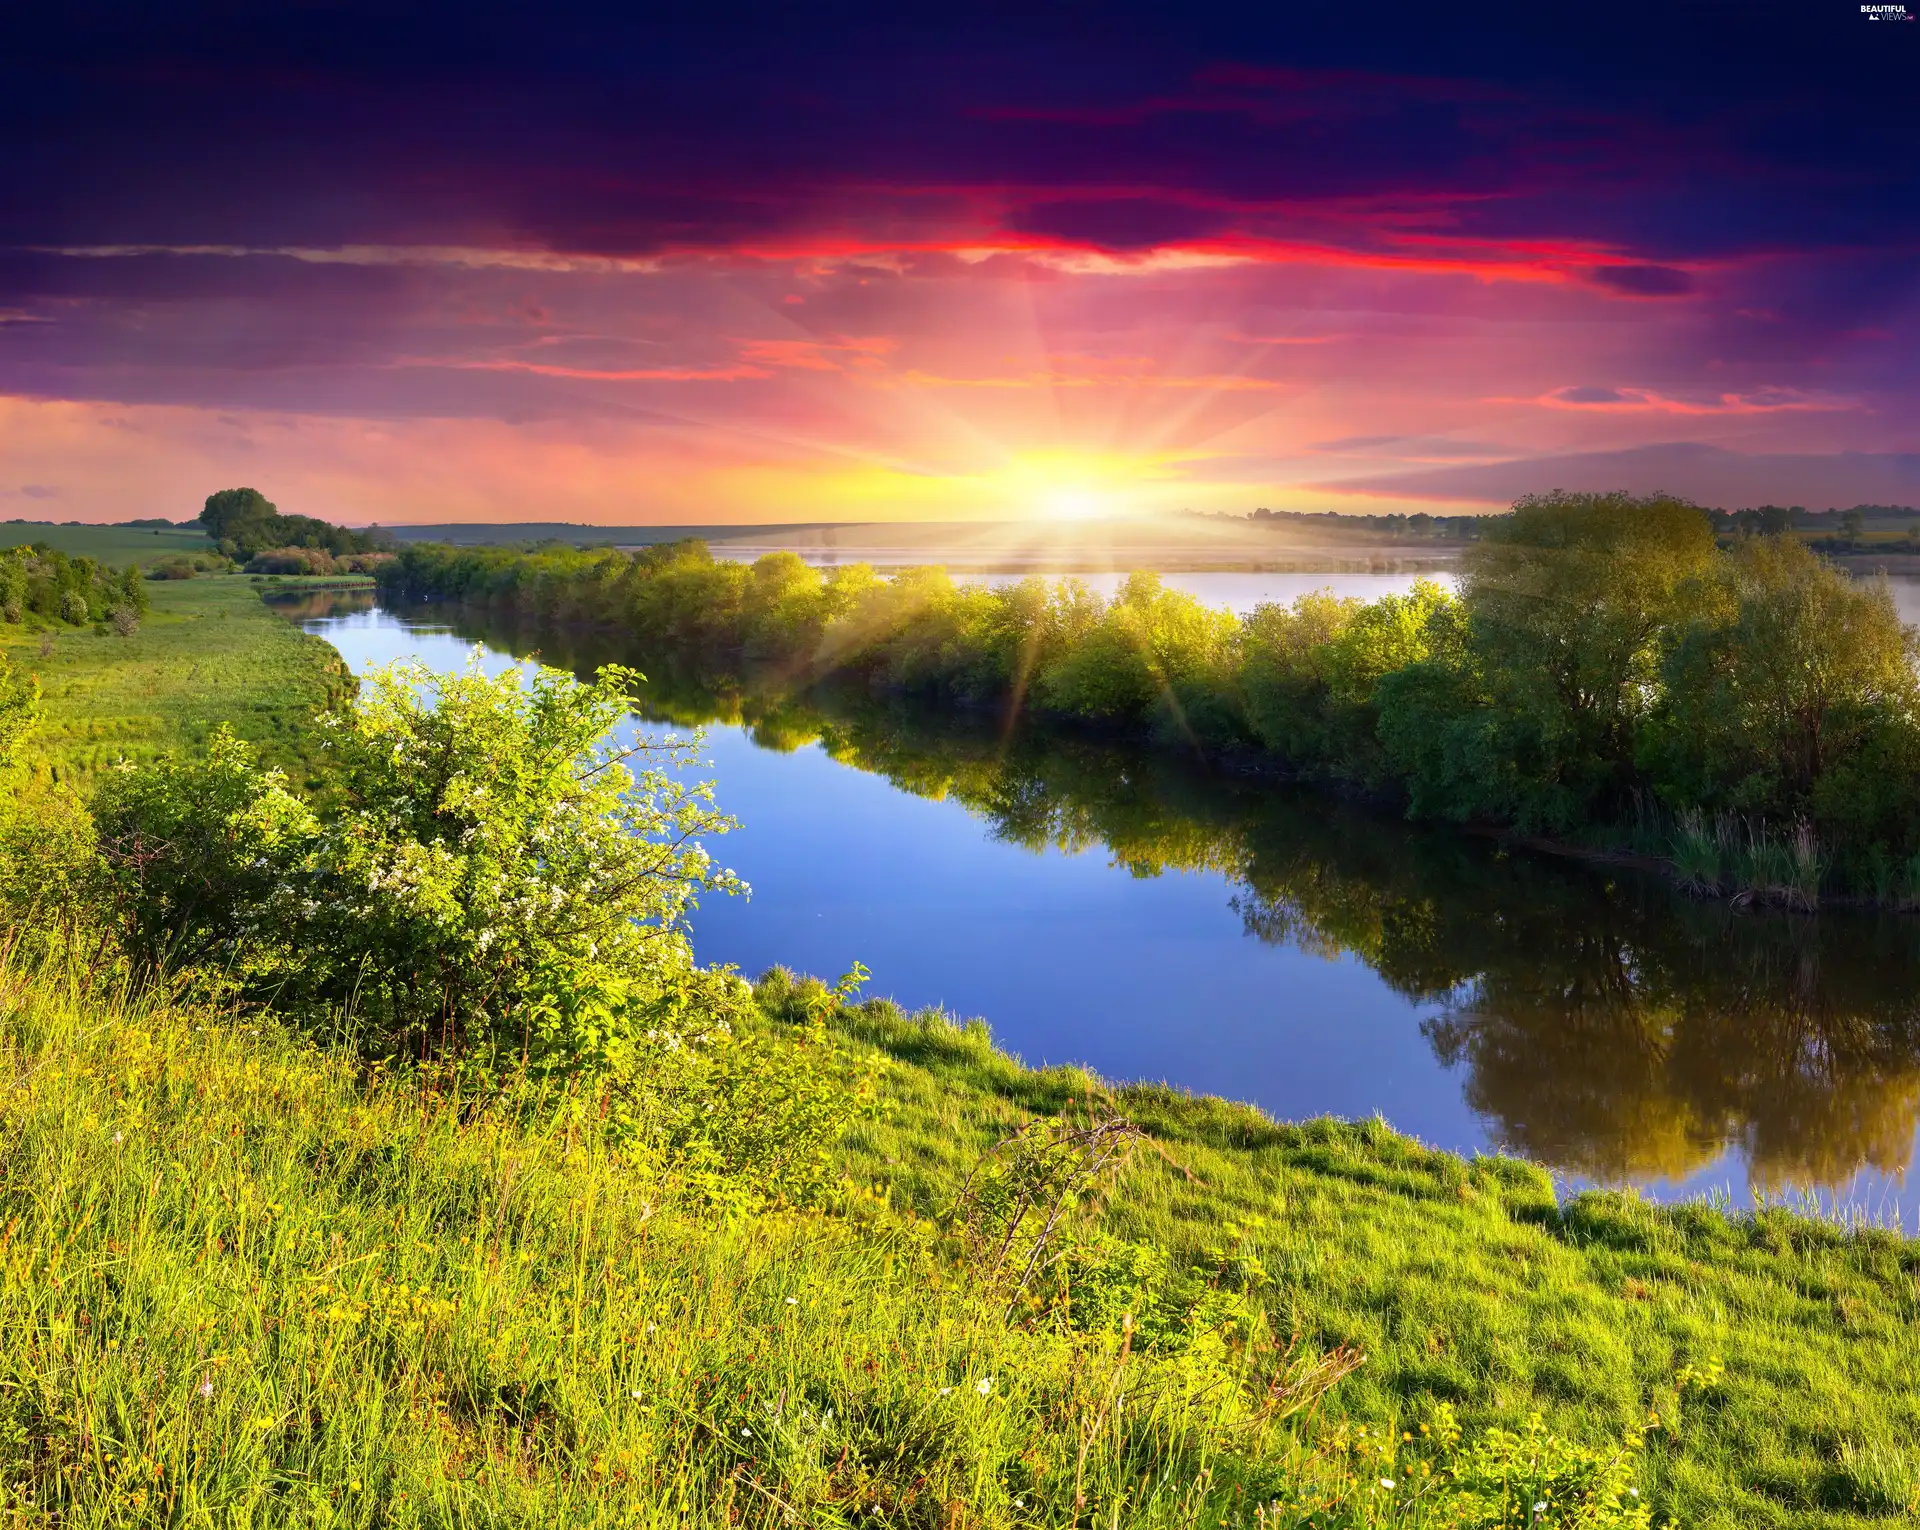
<point>1608,1026</point>
<point>378,1153</point>
<point>1607,674</point>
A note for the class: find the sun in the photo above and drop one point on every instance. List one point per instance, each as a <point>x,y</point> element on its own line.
<point>1061,488</point>
<point>1071,503</point>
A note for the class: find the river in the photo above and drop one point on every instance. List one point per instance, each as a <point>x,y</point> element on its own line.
<point>1137,915</point>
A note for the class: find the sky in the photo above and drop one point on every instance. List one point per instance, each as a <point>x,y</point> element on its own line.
<point>711,263</point>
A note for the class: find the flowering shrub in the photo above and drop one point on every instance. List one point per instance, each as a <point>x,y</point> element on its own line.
<point>493,888</point>
<point>498,879</point>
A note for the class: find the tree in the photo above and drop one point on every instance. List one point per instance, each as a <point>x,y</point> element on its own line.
<point>229,510</point>
<point>1787,667</point>
<point>1566,600</point>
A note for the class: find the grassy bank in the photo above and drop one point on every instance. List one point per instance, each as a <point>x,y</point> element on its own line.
<point>209,651</point>
<point>1463,1281</point>
<point>242,1281</point>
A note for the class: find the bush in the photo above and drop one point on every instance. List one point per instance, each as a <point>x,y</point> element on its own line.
<point>19,711</point>
<point>200,855</point>
<point>293,560</point>
<point>490,889</point>
<point>491,885</point>
<point>45,582</point>
<point>498,880</point>
<point>54,902</point>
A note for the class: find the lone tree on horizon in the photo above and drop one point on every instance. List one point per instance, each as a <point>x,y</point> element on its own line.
<point>231,508</point>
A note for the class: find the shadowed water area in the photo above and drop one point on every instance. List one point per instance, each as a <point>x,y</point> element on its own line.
<point>1134,911</point>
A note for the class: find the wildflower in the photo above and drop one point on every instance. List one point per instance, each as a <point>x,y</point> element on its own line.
<point>985,1386</point>
<point>1633,1492</point>
<point>206,1387</point>
<point>1387,1483</point>
<point>1541,1507</point>
<point>747,1432</point>
<point>116,1137</point>
<point>945,1390</point>
<point>793,1301</point>
<point>634,1395</point>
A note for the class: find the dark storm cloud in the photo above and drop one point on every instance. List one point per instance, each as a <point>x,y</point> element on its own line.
<point>1127,223</point>
<point>1643,281</point>
<point>1659,131</point>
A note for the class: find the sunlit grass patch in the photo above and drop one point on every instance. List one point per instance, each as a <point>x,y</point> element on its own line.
<point>245,1281</point>
<point>1466,1281</point>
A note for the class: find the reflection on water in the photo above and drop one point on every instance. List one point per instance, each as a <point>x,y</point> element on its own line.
<point>1591,1019</point>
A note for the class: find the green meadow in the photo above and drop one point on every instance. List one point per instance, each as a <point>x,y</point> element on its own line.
<point>118,545</point>
<point>257,1270</point>
<point>207,652</point>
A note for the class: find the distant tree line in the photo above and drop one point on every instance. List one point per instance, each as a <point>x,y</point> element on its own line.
<point>1842,528</point>
<point>1419,525</point>
<point>1607,671</point>
<point>1836,531</point>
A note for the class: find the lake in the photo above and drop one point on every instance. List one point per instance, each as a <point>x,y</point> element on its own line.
<point>1139,915</point>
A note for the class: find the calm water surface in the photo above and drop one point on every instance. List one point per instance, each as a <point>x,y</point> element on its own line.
<point>1241,939</point>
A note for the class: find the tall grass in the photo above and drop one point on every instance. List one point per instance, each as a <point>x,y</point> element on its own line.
<point>243,1283</point>
<point>1728,855</point>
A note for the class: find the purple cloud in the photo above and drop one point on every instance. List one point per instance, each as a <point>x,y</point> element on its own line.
<point>1643,281</point>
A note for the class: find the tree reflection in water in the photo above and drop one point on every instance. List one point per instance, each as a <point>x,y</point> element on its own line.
<point>1605,1024</point>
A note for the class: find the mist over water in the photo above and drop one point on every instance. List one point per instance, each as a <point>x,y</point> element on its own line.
<point>1133,912</point>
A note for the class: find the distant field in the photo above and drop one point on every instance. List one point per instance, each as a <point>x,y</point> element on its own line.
<point>481,534</point>
<point>110,544</point>
<point>208,652</point>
